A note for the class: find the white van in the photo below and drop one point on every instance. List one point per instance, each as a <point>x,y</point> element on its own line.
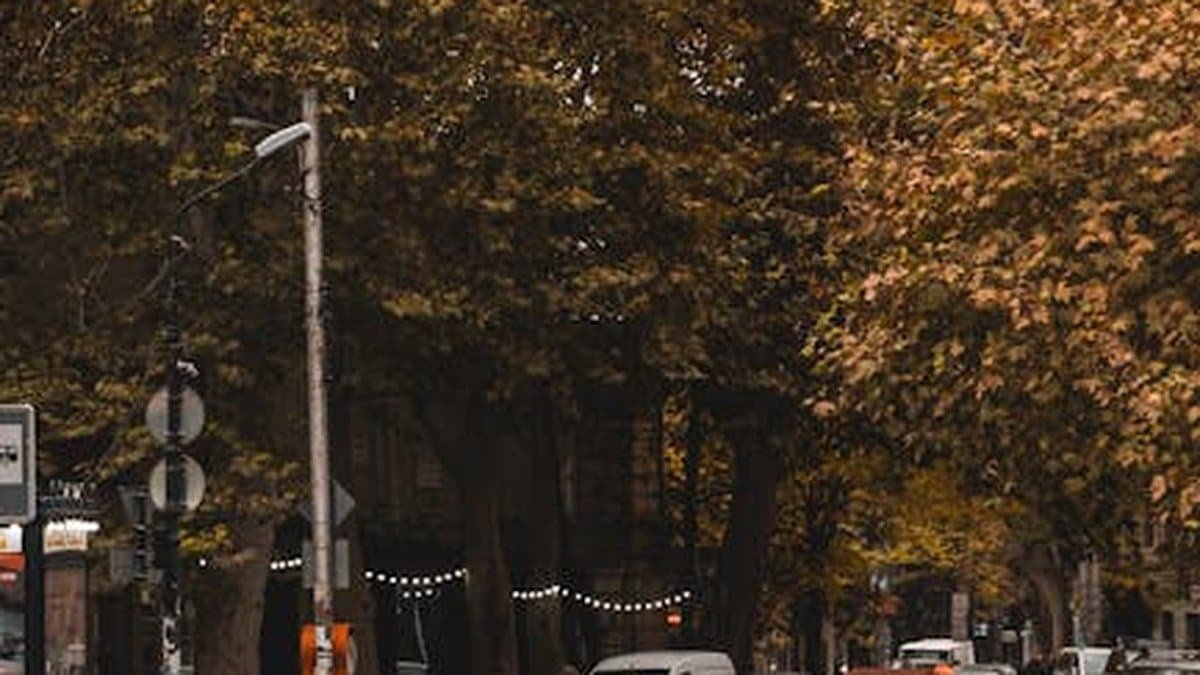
<point>932,651</point>
<point>666,663</point>
<point>1082,661</point>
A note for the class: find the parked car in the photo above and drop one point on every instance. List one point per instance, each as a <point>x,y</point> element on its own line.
<point>666,663</point>
<point>1082,661</point>
<point>410,668</point>
<point>933,651</point>
<point>1154,665</point>
<point>985,669</point>
<point>1145,659</point>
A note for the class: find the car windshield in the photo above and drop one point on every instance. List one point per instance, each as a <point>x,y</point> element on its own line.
<point>1094,662</point>
<point>925,656</point>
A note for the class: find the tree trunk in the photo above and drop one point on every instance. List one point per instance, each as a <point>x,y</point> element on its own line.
<point>229,605</point>
<point>544,619</point>
<point>756,479</point>
<point>489,602</point>
<point>1046,576</point>
<point>694,439</point>
<point>811,614</point>
<point>358,603</point>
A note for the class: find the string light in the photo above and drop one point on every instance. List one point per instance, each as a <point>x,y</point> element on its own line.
<point>602,604</point>
<point>285,564</point>
<point>417,583</point>
<point>423,586</point>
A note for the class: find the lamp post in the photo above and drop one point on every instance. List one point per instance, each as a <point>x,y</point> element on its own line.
<point>318,437</point>
<point>176,488</point>
<point>318,429</point>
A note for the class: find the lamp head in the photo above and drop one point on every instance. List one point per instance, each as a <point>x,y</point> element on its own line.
<point>281,139</point>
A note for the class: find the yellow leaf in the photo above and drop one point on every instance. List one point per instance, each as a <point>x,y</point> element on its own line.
<point>1158,488</point>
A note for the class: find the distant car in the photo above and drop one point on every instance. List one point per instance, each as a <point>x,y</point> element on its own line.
<point>933,651</point>
<point>986,669</point>
<point>666,663</point>
<point>1161,666</point>
<point>1147,660</point>
<point>410,668</point>
<point>1082,661</point>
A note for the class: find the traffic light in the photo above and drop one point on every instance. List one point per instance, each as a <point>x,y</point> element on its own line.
<point>140,512</point>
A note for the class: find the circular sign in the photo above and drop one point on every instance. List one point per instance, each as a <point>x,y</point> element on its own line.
<point>191,415</point>
<point>193,477</point>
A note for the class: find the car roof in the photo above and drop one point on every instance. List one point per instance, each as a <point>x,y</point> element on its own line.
<point>664,659</point>
<point>1165,664</point>
<point>931,643</point>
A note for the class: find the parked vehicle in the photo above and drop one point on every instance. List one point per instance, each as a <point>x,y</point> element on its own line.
<point>1163,666</point>
<point>1145,659</point>
<point>666,663</point>
<point>1082,661</point>
<point>986,669</point>
<point>933,651</point>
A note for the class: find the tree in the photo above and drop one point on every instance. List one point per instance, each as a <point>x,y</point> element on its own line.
<point>589,194</point>
<point>1021,243</point>
<point>113,113</point>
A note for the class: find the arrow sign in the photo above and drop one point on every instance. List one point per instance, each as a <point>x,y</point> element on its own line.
<point>343,504</point>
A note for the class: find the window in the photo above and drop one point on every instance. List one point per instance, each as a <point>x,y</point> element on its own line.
<point>1193,631</point>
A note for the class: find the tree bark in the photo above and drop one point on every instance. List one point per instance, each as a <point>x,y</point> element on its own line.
<point>229,605</point>
<point>1046,576</point>
<point>489,601</point>
<point>811,616</point>
<point>544,619</point>
<point>694,440</point>
<point>359,606</point>
<point>752,520</point>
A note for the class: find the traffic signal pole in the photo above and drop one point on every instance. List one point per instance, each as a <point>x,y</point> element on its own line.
<point>172,653</point>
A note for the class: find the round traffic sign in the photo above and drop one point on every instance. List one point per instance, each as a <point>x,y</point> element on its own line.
<point>193,480</point>
<point>191,415</point>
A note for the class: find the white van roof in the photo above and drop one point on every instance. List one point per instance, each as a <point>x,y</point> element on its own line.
<point>932,644</point>
<point>664,660</point>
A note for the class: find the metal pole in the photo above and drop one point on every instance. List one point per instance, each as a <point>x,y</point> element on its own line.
<point>35,596</point>
<point>693,440</point>
<point>318,440</point>
<point>172,656</point>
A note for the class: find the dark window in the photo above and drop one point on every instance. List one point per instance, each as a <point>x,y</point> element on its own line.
<point>1193,631</point>
<point>1168,627</point>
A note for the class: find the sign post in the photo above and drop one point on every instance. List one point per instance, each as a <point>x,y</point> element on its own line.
<point>18,464</point>
<point>343,504</point>
<point>18,505</point>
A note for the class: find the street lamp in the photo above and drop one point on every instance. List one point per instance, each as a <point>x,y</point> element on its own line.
<point>318,436</point>
<point>176,488</point>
